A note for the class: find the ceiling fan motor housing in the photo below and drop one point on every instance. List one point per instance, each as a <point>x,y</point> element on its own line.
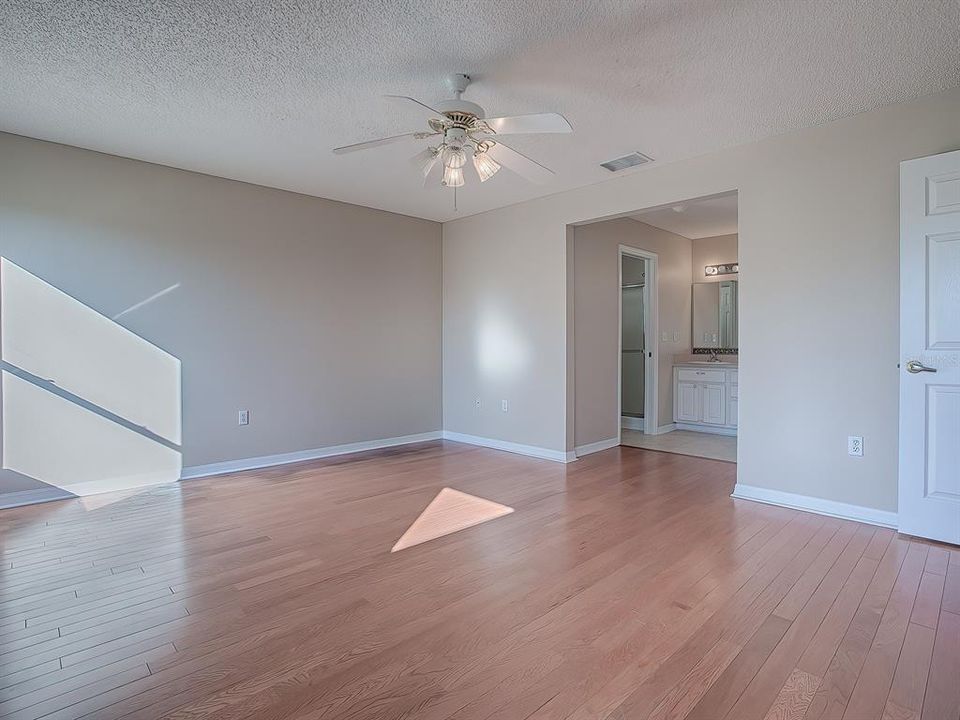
<point>451,108</point>
<point>460,107</point>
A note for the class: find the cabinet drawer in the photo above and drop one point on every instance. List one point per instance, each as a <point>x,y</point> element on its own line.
<point>691,375</point>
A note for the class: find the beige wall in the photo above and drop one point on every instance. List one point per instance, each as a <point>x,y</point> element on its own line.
<point>713,251</point>
<point>595,261</point>
<point>818,245</point>
<point>321,318</point>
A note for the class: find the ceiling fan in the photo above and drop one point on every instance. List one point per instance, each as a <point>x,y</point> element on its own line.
<point>464,132</point>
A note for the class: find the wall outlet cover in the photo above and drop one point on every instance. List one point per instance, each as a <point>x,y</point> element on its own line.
<point>855,446</point>
<point>243,417</point>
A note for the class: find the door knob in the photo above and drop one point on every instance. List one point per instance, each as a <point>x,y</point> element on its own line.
<point>915,366</point>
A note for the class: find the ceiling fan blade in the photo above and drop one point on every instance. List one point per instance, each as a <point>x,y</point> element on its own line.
<point>373,143</point>
<point>425,111</point>
<point>533,123</point>
<point>520,163</point>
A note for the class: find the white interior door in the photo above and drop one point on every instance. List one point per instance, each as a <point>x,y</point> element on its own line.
<point>930,347</point>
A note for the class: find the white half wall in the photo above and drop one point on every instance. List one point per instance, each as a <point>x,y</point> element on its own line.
<point>818,252</point>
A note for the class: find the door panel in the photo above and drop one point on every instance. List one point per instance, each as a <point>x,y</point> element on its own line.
<point>929,492</point>
<point>943,439</point>
<point>943,293</point>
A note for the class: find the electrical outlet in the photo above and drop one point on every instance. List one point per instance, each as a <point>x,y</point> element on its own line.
<point>243,417</point>
<point>504,406</point>
<point>478,403</point>
<point>855,446</point>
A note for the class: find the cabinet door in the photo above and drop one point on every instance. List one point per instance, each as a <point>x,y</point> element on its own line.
<point>687,402</point>
<point>713,402</point>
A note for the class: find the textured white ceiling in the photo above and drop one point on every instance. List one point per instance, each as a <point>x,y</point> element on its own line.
<point>706,217</point>
<point>261,91</point>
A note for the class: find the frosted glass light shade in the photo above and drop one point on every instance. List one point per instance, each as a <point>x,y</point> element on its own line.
<point>424,161</point>
<point>452,177</point>
<point>486,166</point>
<point>453,157</point>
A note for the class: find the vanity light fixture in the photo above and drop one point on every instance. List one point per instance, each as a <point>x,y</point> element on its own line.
<point>724,269</point>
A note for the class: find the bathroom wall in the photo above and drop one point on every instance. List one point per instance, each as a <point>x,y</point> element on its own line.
<point>715,250</point>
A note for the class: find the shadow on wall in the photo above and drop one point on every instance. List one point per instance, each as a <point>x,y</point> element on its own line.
<point>87,406</point>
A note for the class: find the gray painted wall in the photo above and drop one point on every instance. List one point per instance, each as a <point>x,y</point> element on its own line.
<point>818,244</point>
<point>321,318</point>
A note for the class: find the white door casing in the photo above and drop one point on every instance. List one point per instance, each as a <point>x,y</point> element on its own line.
<point>929,485</point>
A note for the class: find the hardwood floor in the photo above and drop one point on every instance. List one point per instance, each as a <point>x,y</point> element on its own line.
<point>626,585</point>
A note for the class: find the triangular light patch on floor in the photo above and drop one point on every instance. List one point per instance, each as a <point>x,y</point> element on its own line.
<point>449,512</point>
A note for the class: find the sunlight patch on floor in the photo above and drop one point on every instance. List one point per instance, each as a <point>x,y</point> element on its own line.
<point>449,512</point>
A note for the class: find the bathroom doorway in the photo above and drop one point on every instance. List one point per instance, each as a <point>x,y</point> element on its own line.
<point>699,301</point>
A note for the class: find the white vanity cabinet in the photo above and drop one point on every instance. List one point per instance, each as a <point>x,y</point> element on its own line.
<point>705,398</point>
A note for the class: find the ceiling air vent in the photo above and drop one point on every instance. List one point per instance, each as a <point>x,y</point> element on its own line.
<point>627,161</point>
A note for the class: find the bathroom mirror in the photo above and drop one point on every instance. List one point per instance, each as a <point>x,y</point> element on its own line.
<point>715,315</point>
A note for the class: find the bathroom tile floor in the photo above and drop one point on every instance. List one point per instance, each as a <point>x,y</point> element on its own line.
<point>684,442</point>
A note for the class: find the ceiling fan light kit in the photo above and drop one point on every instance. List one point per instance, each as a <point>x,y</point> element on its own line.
<point>485,165</point>
<point>464,131</point>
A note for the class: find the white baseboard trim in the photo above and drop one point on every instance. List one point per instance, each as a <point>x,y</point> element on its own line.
<point>639,425</point>
<point>255,463</point>
<point>531,450</point>
<point>820,506</point>
<point>598,446</point>
<point>32,497</point>
<point>711,429</point>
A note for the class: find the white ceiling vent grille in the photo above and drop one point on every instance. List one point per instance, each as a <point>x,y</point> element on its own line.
<point>627,161</point>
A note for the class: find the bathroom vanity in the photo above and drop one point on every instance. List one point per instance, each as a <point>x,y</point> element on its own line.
<point>705,396</point>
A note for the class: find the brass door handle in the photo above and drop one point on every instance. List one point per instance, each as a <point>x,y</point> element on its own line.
<point>915,366</point>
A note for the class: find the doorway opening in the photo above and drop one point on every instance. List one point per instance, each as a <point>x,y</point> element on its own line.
<point>638,340</point>
<point>656,341</point>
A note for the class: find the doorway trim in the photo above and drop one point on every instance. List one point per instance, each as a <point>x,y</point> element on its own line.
<point>651,337</point>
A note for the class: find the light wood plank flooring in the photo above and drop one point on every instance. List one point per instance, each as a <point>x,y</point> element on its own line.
<point>626,585</point>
